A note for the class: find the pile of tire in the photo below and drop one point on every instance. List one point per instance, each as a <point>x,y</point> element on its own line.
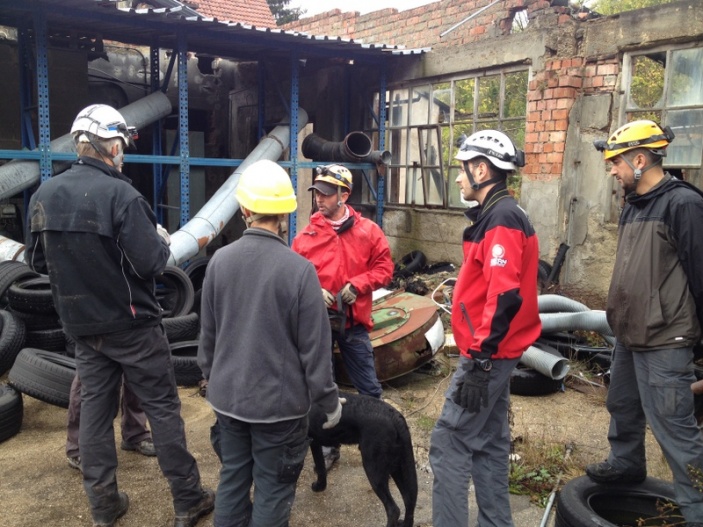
<point>39,358</point>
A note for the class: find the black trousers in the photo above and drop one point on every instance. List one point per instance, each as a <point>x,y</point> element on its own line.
<point>144,357</point>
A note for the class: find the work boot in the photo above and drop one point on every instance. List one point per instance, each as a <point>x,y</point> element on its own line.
<point>331,455</point>
<point>74,462</point>
<point>108,517</point>
<point>144,447</point>
<point>191,516</point>
<point>606,473</point>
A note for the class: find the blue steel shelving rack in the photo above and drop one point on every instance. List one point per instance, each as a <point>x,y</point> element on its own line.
<point>42,152</point>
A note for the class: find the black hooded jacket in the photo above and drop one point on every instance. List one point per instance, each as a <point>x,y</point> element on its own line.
<point>656,294</point>
<point>95,235</point>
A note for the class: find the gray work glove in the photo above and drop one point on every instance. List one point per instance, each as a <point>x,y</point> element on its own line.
<point>163,233</point>
<point>349,294</point>
<point>328,298</point>
<point>334,417</point>
<point>472,390</point>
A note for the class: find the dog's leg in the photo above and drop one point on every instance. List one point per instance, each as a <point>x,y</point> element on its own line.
<point>407,486</point>
<point>320,470</point>
<point>378,476</point>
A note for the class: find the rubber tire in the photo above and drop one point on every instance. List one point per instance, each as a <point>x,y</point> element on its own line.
<point>44,375</point>
<point>174,292</point>
<point>184,356</point>
<point>182,328</point>
<point>36,321</point>
<point>196,272</point>
<point>46,339</point>
<point>32,296</point>
<point>12,339</point>
<point>10,272</point>
<point>11,412</point>
<point>528,381</point>
<point>411,263</point>
<point>584,503</point>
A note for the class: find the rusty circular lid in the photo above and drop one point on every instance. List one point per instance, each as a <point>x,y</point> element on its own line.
<point>397,315</point>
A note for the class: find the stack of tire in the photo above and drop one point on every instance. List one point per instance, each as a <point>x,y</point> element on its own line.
<point>39,356</point>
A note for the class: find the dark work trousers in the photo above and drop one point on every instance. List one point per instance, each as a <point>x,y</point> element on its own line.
<point>269,455</point>
<point>465,446</point>
<point>654,388</point>
<point>143,356</point>
<point>134,428</point>
<point>357,354</point>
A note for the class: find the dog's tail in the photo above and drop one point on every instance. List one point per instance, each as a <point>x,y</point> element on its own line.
<point>405,475</point>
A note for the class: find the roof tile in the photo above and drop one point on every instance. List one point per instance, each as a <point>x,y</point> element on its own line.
<point>250,12</point>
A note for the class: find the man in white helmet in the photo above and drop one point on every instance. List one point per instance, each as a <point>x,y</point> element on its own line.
<point>96,237</point>
<point>494,320</point>
<point>264,350</point>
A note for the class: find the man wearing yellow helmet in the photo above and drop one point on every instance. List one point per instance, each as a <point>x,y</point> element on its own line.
<point>264,349</point>
<point>352,258</point>
<point>655,309</point>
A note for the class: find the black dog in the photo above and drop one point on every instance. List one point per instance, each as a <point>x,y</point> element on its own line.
<point>386,450</point>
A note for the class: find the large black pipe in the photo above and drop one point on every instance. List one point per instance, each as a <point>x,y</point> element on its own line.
<point>355,148</point>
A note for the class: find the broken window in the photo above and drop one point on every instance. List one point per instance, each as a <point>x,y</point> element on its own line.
<point>666,86</point>
<point>425,121</point>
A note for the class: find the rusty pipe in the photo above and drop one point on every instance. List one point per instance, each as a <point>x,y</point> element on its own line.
<point>354,148</point>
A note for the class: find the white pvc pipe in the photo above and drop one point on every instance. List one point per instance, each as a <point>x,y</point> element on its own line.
<point>558,303</point>
<point>546,363</point>
<point>187,241</point>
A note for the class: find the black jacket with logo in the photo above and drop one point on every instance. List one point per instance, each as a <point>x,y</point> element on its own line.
<point>656,294</point>
<point>95,235</point>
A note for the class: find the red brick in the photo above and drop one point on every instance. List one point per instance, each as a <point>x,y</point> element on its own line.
<point>559,115</point>
<point>607,69</point>
<point>565,93</point>
<point>570,80</point>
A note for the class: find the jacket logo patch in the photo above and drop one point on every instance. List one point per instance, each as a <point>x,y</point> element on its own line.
<point>498,252</point>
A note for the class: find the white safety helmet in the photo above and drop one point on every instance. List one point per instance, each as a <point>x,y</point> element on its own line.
<point>104,122</point>
<point>494,146</point>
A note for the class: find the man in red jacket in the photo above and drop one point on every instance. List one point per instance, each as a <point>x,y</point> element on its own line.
<point>494,319</point>
<point>352,259</point>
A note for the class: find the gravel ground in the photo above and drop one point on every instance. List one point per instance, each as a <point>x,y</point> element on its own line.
<point>37,488</point>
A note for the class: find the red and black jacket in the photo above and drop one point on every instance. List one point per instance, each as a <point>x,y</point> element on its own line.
<point>494,304</point>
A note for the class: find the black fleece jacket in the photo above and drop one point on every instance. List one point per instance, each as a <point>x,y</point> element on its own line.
<point>95,235</point>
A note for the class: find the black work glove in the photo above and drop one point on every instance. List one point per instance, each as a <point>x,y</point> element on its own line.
<point>472,390</point>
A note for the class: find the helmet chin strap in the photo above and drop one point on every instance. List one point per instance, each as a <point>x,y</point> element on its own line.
<point>472,181</point>
<point>639,171</point>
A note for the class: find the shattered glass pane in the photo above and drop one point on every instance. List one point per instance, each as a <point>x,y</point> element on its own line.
<point>686,77</point>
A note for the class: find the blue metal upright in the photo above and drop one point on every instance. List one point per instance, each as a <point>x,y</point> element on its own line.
<point>293,142</point>
<point>156,140</point>
<point>381,187</point>
<point>183,126</point>
<point>43,94</point>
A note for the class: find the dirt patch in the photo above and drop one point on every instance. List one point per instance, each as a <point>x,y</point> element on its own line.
<point>39,488</point>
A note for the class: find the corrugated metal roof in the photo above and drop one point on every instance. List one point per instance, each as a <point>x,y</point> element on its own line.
<point>163,27</point>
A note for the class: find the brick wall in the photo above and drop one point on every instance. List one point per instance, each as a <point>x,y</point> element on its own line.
<point>421,26</point>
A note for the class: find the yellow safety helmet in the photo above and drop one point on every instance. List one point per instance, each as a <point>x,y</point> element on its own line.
<point>265,188</point>
<point>637,134</point>
<point>330,177</point>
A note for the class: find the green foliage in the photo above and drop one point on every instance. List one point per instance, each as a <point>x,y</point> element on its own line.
<point>282,14</point>
<point>612,7</point>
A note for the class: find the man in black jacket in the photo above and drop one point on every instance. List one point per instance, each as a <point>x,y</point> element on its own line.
<point>97,239</point>
<point>655,309</point>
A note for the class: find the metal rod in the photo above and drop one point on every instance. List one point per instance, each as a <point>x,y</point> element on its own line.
<point>468,18</point>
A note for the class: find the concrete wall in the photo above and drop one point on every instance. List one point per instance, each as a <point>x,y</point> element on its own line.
<point>574,93</point>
